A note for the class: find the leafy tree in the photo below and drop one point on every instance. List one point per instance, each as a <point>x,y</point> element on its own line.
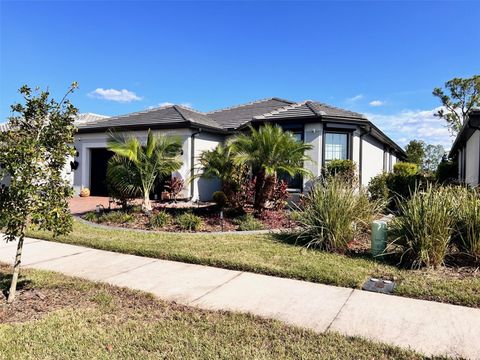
<point>159,157</point>
<point>267,151</point>
<point>415,150</point>
<point>433,157</point>
<point>458,98</point>
<point>34,152</point>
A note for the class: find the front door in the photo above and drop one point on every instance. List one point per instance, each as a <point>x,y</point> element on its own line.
<point>98,171</point>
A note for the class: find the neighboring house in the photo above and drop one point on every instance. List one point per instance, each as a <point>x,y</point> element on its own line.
<point>334,134</point>
<point>466,150</point>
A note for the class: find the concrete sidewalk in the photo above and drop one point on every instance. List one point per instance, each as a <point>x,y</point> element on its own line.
<point>428,327</point>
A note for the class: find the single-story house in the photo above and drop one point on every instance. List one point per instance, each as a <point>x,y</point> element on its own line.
<point>333,132</point>
<point>466,150</point>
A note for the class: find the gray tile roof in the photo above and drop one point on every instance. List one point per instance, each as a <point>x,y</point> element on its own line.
<point>81,119</point>
<point>4,127</point>
<point>308,109</point>
<point>234,117</point>
<point>166,115</point>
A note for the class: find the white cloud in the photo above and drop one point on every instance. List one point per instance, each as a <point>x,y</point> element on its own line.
<point>355,98</point>
<point>376,103</point>
<point>414,124</point>
<point>166,103</point>
<point>122,96</point>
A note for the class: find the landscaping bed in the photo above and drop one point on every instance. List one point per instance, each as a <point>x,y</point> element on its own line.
<point>93,321</point>
<point>192,219</point>
<point>277,254</point>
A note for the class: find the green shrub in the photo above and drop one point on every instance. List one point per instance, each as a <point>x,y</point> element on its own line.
<point>344,169</point>
<point>117,217</point>
<point>378,187</point>
<point>333,213</point>
<point>248,222</point>
<point>467,221</point>
<point>189,221</point>
<point>424,226</point>
<point>91,216</point>
<point>405,169</point>
<point>447,172</point>
<point>219,198</point>
<point>159,220</point>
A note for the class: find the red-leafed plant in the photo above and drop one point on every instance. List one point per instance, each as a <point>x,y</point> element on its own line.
<point>174,186</point>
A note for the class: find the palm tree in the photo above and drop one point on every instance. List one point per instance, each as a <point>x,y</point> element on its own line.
<point>159,157</point>
<point>218,163</point>
<point>266,152</point>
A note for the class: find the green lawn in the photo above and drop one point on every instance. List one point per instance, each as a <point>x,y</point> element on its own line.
<point>268,254</point>
<point>104,322</point>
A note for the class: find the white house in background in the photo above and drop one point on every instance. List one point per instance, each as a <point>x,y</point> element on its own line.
<point>334,133</point>
<point>466,150</point>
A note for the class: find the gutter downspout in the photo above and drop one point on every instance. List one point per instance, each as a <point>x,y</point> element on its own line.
<point>365,131</point>
<point>192,162</point>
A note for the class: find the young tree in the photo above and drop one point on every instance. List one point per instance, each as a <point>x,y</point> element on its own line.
<point>458,98</point>
<point>33,153</point>
<point>159,157</point>
<point>433,157</point>
<point>267,151</point>
<point>415,150</point>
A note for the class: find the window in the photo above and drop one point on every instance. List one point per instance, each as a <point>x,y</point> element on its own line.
<point>336,146</point>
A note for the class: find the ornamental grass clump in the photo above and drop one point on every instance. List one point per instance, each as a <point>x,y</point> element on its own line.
<point>333,214</point>
<point>467,227</point>
<point>424,226</point>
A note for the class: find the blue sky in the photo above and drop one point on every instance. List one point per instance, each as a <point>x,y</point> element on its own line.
<point>379,58</point>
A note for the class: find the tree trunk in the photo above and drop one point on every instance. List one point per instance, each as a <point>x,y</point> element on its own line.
<point>147,204</point>
<point>16,270</point>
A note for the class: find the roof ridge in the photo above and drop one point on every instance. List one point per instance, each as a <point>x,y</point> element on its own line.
<point>249,103</point>
<point>282,109</point>
<point>337,108</point>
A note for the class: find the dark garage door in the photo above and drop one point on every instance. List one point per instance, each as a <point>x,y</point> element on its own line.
<point>98,171</point>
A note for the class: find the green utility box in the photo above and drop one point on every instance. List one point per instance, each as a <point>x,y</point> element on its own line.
<point>379,237</point>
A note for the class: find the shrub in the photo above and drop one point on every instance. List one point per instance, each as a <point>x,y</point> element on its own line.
<point>333,213</point>
<point>174,187</point>
<point>378,188</point>
<point>405,169</point>
<point>344,169</point>
<point>447,172</point>
<point>219,198</point>
<point>117,217</point>
<point>279,195</point>
<point>468,221</point>
<point>91,216</point>
<point>248,222</point>
<point>159,220</point>
<point>424,227</point>
<point>189,221</point>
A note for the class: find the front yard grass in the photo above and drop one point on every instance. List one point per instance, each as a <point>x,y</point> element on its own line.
<point>269,254</point>
<point>95,321</point>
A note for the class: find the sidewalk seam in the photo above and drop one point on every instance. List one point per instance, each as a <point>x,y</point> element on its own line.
<point>339,311</point>
<point>59,257</point>
<point>127,271</point>
<point>215,288</point>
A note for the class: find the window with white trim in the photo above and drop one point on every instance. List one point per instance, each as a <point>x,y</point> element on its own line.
<point>336,146</point>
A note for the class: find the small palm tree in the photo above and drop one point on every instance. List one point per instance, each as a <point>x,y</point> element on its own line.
<point>266,152</point>
<point>218,163</point>
<point>159,157</point>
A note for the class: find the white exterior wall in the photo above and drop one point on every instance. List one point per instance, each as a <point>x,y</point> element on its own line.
<point>204,188</point>
<point>313,134</point>
<point>85,142</point>
<point>372,158</point>
<point>472,159</point>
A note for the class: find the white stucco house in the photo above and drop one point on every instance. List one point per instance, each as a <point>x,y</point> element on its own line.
<point>334,133</point>
<point>466,150</point>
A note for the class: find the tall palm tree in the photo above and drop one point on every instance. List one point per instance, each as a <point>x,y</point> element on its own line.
<point>266,152</point>
<point>160,156</point>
